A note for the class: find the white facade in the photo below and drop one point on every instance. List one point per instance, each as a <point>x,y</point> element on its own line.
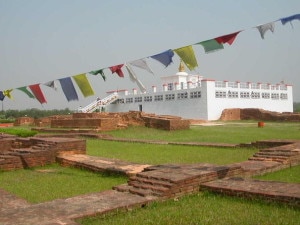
<point>192,97</point>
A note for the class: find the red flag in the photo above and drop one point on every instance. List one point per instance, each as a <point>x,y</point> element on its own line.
<point>36,90</point>
<point>229,38</point>
<point>117,69</point>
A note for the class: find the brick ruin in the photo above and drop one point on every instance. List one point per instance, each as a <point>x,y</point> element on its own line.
<point>108,121</point>
<point>258,114</point>
<point>20,153</point>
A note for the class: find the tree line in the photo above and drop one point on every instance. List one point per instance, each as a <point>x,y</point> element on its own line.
<point>34,113</point>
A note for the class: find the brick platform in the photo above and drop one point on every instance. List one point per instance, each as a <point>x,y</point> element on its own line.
<point>288,193</point>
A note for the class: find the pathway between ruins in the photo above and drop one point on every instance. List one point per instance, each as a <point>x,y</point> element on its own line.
<point>152,183</point>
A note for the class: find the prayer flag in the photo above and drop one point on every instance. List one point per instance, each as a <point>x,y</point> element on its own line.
<point>141,63</point>
<point>290,18</point>
<point>84,85</point>
<point>2,96</point>
<point>25,90</point>
<point>8,93</point>
<point>188,56</point>
<point>37,92</point>
<point>134,78</point>
<point>211,45</point>
<point>117,69</point>
<point>96,72</point>
<point>265,27</point>
<point>51,84</point>
<point>68,89</point>
<point>229,38</point>
<point>164,57</point>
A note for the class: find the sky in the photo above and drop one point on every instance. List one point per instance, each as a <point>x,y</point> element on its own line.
<point>42,41</point>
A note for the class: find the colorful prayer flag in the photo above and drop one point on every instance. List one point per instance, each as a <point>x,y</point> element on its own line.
<point>164,57</point>
<point>37,92</point>
<point>8,93</point>
<point>2,96</point>
<point>25,90</point>
<point>68,89</point>
<point>188,56</point>
<point>84,85</point>
<point>51,84</point>
<point>96,72</point>
<point>141,63</point>
<point>228,38</point>
<point>117,69</point>
<point>211,45</point>
<point>265,27</point>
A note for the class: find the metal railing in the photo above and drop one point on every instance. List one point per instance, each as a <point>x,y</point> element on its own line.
<point>98,103</point>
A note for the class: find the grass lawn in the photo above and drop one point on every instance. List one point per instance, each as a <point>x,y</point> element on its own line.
<point>230,132</point>
<point>51,182</point>
<point>290,175</point>
<point>163,154</point>
<point>41,184</point>
<point>205,209</point>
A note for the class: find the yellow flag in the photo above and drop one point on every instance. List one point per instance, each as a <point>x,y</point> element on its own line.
<point>84,85</point>
<point>8,93</point>
<point>188,56</point>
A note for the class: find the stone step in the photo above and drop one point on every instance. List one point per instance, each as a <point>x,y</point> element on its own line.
<point>155,182</point>
<point>267,159</point>
<point>261,155</point>
<point>144,192</point>
<point>279,153</point>
<point>122,188</point>
<point>154,188</point>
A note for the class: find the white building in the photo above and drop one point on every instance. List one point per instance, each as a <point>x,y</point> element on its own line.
<point>193,97</point>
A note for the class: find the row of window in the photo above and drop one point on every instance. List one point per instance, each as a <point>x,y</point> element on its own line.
<point>253,95</point>
<point>222,84</point>
<point>168,97</point>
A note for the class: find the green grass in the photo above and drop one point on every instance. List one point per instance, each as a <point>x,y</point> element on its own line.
<point>290,175</point>
<point>21,132</point>
<point>163,154</point>
<point>230,132</point>
<point>50,182</point>
<point>205,209</point>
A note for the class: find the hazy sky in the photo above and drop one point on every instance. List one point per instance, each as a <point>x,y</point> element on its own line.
<point>45,40</point>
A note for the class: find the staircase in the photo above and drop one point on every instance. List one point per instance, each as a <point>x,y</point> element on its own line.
<point>99,103</point>
<point>171,181</point>
<point>288,153</point>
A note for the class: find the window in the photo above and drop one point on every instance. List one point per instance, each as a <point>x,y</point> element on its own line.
<point>255,95</point>
<point>233,94</point>
<point>170,86</point>
<point>254,86</point>
<point>148,98</point>
<point>274,96</point>
<point>283,96</point>
<point>265,87</point>
<point>170,97</point>
<point>220,84</point>
<point>265,95</point>
<point>158,98</point>
<point>138,99</point>
<point>220,94</point>
<point>129,100</point>
<point>182,95</point>
<point>274,87</point>
<point>233,84</point>
<point>120,101</point>
<point>283,87</point>
<point>244,85</point>
<point>195,94</point>
<point>244,94</point>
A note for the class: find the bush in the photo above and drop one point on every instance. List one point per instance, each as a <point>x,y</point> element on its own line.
<point>18,132</point>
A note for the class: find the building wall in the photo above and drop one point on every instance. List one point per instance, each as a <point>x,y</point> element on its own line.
<point>215,97</point>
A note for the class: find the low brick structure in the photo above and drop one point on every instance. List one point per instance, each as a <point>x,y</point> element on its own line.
<point>113,121</point>
<point>18,153</point>
<point>257,114</point>
<point>24,121</point>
